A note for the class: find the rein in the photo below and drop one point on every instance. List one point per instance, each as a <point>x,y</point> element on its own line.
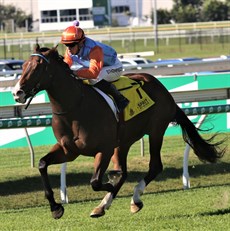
<point>33,93</point>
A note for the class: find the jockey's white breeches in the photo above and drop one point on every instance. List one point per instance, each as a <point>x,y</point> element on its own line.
<point>109,73</point>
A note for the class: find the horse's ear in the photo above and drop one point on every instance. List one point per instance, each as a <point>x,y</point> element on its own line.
<point>36,48</point>
<point>54,49</point>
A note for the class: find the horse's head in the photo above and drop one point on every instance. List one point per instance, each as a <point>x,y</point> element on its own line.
<point>36,74</point>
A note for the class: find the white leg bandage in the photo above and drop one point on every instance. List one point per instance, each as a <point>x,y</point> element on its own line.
<point>107,201</point>
<point>138,190</point>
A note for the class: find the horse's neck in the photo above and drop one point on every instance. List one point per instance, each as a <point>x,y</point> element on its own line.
<point>64,92</point>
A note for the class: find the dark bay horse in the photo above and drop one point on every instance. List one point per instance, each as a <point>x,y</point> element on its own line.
<point>84,124</point>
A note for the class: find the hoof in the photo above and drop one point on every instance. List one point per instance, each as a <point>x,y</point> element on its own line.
<point>136,207</point>
<point>97,212</point>
<point>58,212</point>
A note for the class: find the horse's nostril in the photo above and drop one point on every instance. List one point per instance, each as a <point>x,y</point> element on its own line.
<point>19,92</point>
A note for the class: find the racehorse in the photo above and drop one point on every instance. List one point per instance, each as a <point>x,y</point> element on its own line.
<point>84,124</point>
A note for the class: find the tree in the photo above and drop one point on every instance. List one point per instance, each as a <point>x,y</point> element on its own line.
<point>195,3</point>
<point>17,16</point>
<point>185,14</point>
<point>163,16</point>
<point>200,10</point>
<point>186,10</point>
<point>214,10</point>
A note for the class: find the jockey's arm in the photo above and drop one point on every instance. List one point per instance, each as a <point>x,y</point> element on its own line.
<point>96,57</point>
<point>67,58</point>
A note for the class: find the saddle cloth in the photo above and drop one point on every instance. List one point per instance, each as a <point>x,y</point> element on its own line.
<point>132,90</point>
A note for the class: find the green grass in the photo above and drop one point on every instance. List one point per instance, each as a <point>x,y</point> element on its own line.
<point>176,48</point>
<point>206,206</point>
<point>191,210</point>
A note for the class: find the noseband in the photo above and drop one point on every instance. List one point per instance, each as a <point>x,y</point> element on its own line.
<point>34,91</point>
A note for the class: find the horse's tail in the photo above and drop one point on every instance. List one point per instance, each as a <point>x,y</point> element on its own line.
<point>204,149</point>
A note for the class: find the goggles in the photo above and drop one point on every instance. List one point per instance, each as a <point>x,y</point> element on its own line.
<point>70,45</point>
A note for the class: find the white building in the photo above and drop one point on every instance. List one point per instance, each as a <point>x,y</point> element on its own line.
<point>136,12</point>
<point>58,14</point>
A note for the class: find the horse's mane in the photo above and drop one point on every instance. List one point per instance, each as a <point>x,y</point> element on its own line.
<point>57,57</point>
<point>44,49</point>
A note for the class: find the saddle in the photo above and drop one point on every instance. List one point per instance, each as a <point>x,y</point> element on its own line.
<point>139,101</point>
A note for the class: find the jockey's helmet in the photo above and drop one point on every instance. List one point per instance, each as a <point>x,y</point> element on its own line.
<point>72,34</point>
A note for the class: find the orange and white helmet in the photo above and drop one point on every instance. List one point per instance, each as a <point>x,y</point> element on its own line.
<point>72,34</point>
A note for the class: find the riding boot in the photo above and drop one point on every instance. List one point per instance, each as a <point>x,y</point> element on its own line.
<point>110,89</point>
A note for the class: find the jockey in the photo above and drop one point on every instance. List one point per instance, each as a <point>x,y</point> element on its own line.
<point>94,61</point>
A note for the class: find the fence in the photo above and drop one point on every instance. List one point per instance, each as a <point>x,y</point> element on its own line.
<point>215,93</point>
<point>125,39</point>
<point>158,68</point>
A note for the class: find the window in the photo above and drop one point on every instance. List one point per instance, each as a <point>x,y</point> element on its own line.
<point>139,61</point>
<point>85,14</point>
<point>120,9</point>
<point>67,15</point>
<point>48,16</point>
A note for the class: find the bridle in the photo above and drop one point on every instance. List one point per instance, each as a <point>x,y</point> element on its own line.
<point>41,56</point>
<point>34,90</point>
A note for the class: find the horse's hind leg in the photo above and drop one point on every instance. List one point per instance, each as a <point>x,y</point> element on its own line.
<point>55,156</point>
<point>155,167</point>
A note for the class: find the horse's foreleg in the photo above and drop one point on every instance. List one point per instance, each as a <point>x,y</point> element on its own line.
<point>115,160</point>
<point>120,158</point>
<point>57,210</point>
<point>116,177</point>
<point>55,156</point>
<point>100,166</point>
<point>105,204</point>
